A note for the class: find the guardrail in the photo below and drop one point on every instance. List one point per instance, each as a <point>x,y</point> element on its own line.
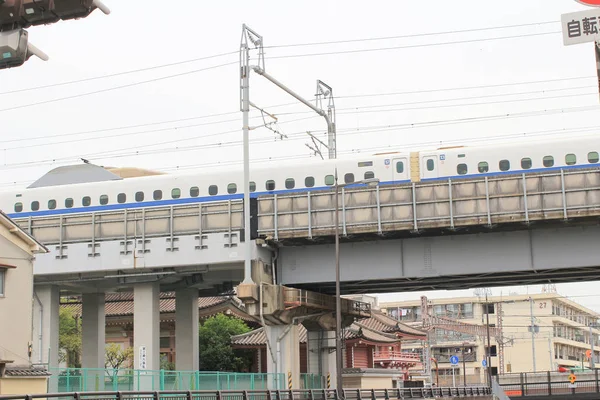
<point>549,384</point>
<point>323,394</point>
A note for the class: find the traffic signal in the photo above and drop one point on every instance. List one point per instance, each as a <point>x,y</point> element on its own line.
<point>69,9</point>
<point>37,12</point>
<point>15,49</point>
<point>25,13</point>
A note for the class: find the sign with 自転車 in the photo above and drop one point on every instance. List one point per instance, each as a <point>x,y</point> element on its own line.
<point>581,27</point>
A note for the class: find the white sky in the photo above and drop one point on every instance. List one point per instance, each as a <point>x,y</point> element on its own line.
<point>139,35</point>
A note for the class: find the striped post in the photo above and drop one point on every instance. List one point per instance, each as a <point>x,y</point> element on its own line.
<point>290,380</point>
<point>328,380</point>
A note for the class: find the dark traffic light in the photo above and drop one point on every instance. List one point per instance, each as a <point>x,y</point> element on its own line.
<point>25,13</point>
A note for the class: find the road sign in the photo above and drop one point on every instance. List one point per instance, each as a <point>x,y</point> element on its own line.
<point>142,358</point>
<point>588,354</point>
<point>572,378</point>
<point>580,27</point>
<point>591,3</point>
<point>454,360</point>
<point>484,363</point>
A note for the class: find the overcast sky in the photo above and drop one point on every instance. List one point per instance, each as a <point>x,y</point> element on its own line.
<point>484,70</point>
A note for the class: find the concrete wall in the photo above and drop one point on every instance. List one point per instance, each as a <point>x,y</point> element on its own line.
<point>16,306</point>
<point>30,385</point>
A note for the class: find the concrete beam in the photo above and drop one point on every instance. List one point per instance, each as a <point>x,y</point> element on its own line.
<point>93,331</point>
<point>146,331</point>
<point>186,331</point>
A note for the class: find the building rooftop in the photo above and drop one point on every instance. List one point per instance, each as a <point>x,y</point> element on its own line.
<point>34,245</point>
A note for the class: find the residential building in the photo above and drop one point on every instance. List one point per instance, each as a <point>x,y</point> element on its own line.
<point>17,252</point>
<point>560,337</point>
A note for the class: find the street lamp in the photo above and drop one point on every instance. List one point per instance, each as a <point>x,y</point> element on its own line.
<point>338,299</point>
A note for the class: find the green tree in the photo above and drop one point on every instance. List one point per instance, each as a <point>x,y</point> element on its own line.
<point>216,353</point>
<point>69,339</point>
<point>116,358</point>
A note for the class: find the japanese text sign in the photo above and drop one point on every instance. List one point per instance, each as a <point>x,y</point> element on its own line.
<point>581,27</point>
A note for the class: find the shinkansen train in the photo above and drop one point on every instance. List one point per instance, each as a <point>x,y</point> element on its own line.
<point>390,168</point>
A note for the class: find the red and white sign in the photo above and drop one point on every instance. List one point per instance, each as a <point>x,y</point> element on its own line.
<point>591,3</point>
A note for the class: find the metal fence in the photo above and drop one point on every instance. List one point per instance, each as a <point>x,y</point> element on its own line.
<point>322,394</point>
<point>549,384</point>
<point>65,380</point>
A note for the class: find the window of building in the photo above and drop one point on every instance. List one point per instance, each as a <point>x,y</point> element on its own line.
<point>399,167</point>
<point>35,205</point>
<point>490,308</point>
<point>176,193</point>
<point>253,186</point>
<point>103,199</point>
<point>369,175</point>
<point>483,167</point>
<point>526,163</point>
<point>593,157</point>
<point>232,188</point>
<point>165,342</point>
<point>2,279</point>
<point>139,196</point>
<point>18,207</point>
<point>504,165</point>
<point>461,169</point>
<point>213,190</point>
<point>69,203</point>
<point>194,191</point>
<point>309,181</point>
<point>290,183</point>
<point>270,184</point>
<point>157,195</point>
<point>51,204</point>
<point>348,178</point>
<point>121,198</point>
<point>548,161</point>
<point>430,165</point>
<point>570,159</point>
<point>329,180</point>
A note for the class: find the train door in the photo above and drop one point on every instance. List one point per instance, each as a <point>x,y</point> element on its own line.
<point>400,166</point>
<point>429,167</point>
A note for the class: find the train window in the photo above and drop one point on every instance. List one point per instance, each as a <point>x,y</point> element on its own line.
<point>139,196</point>
<point>18,207</point>
<point>194,191</point>
<point>35,205</point>
<point>461,169</point>
<point>329,180</point>
<point>86,201</point>
<point>570,159</point>
<point>483,167</point>
<point>309,181</point>
<point>157,195</point>
<point>526,163</point>
<point>504,165</point>
<point>365,164</point>
<point>369,175</point>
<point>399,167</point>
<point>69,202</point>
<point>232,188</point>
<point>430,165</point>
<point>548,161</point>
<point>121,198</point>
<point>213,190</point>
<point>176,193</point>
<point>290,183</point>
<point>252,186</point>
<point>51,204</point>
<point>593,157</point>
<point>104,200</point>
<point>349,178</point>
<point>270,184</point>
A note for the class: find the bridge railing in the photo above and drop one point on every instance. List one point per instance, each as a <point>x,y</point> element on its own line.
<point>322,394</point>
<point>449,204</point>
<point>549,384</point>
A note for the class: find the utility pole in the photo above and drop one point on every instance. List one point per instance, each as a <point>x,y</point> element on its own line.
<point>592,366</point>
<point>489,348</point>
<point>464,366</point>
<point>532,333</point>
<point>550,352</point>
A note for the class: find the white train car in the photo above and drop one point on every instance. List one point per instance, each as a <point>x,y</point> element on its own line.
<point>390,168</point>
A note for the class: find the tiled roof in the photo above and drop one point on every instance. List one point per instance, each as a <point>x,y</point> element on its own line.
<point>360,331</point>
<point>382,323</point>
<point>26,371</point>
<point>121,304</point>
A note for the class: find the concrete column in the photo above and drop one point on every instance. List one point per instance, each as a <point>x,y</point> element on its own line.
<point>46,305</point>
<point>321,358</point>
<point>93,327</point>
<point>285,343</point>
<point>186,331</point>
<point>146,333</point>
